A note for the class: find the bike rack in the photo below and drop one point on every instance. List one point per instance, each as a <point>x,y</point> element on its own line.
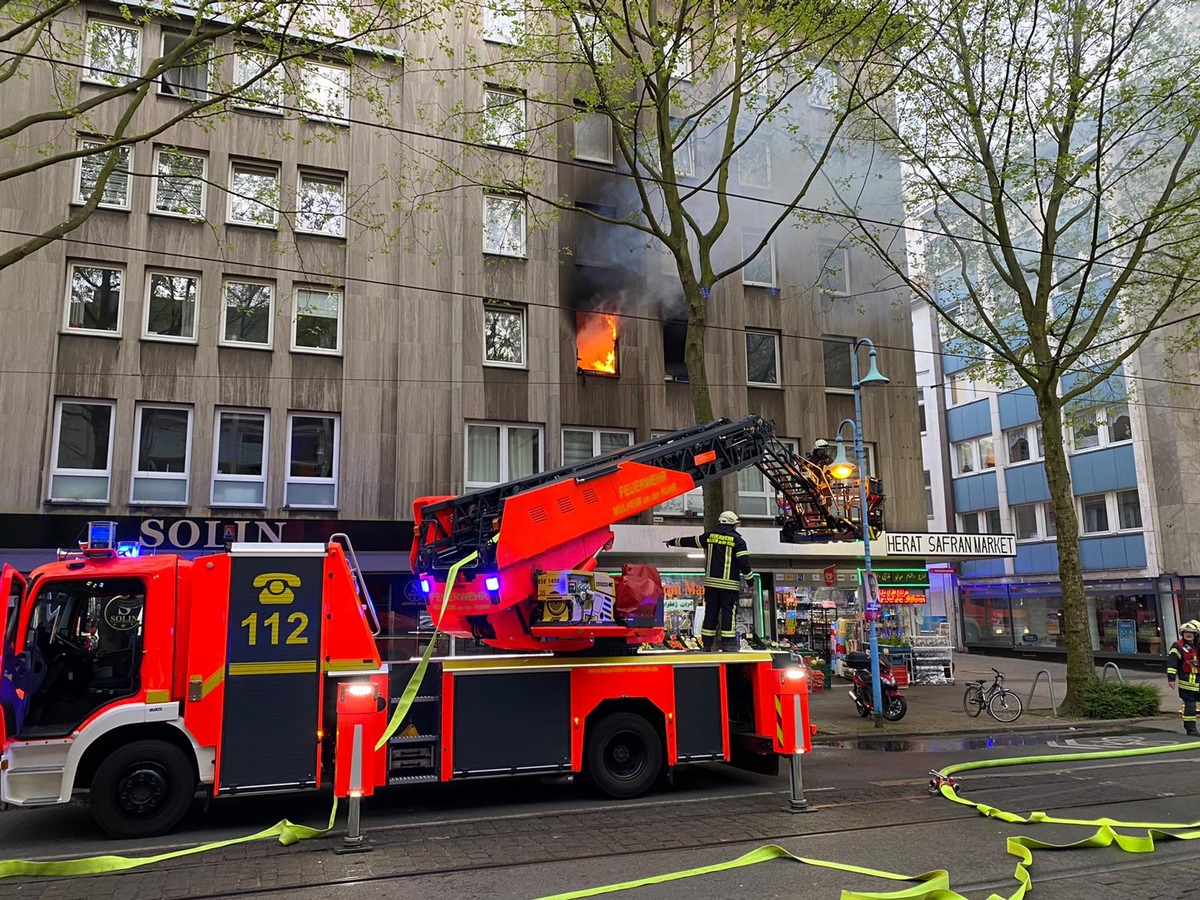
<point>1050,685</point>
<point>1113,666</point>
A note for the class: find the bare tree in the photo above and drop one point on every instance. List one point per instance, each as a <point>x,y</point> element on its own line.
<point>1051,158</point>
<point>690,91</point>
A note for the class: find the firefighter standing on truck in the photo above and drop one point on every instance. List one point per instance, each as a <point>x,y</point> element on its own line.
<point>726,557</point>
<point>1183,662</point>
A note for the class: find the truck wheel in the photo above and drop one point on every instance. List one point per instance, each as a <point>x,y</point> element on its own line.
<point>142,789</point>
<point>624,755</point>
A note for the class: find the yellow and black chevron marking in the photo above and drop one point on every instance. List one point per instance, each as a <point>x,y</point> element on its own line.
<point>779,720</point>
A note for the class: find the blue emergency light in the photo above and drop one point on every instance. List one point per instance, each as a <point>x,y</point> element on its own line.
<point>102,535</point>
<point>129,549</point>
<point>492,583</point>
<point>424,585</point>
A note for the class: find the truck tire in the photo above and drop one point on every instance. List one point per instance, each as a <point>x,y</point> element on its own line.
<point>624,755</point>
<point>142,789</point>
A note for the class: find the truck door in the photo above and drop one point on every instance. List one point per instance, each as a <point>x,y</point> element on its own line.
<point>14,674</point>
<point>83,649</point>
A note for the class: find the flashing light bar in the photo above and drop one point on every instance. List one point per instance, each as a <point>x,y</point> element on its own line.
<point>102,535</point>
<point>492,583</point>
<point>425,588</point>
<point>129,549</point>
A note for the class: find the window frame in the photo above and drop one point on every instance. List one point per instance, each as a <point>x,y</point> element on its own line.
<point>1102,419</point>
<point>259,168</point>
<point>1112,512</point>
<point>975,445</point>
<point>826,249</point>
<point>930,512</point>
<point>1119,519</point>
<point>119,326</point>
<point>222,338</point>
<point>503,462</point>
<point>273,104</point>
<point>155,209</point>
<point>921,412</point>
<point>499,306</point>
<point>309,67</point>
<point>55,443</point>
<point>595,434</point>
<point>136,474</point>
<point>824,98</point>
<point>827,340</point>
<point>766,168</point>
<point>216,476</point>
<point>601,45</point>
<point>147,335</point>
<point>494,123</point>
<point>580,116</point>
<point>340,296</point>
<point>752,237</point>
<point>522,207</point>
<point>501,27</point>
<point>746,498</point>
<point>167,88</point>
<point>127,151</point>
<point>332,481</point>
<point>1031,433</point>
<point>88,76</point>
<point>776,361</point>
<point>980,518</point>
<point>314,176</point>
<point>1014,514</point>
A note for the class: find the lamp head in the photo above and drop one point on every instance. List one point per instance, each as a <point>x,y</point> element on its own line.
<point>873,376</point>
<point>841,468</point>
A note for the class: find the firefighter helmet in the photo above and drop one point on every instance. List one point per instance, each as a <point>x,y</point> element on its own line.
<point>1193,626</point>
<point>729,517</point>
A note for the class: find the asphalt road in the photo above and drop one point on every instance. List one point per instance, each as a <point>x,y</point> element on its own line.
<point>532,838</point>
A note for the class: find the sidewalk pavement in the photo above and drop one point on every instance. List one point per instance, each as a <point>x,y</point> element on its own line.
<point>938,708</point>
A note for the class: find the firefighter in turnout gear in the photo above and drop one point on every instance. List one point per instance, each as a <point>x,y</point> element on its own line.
<point>1183,664</point>
<point>726,557</point>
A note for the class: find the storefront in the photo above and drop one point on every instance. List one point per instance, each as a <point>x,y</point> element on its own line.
<point>1135,617</point>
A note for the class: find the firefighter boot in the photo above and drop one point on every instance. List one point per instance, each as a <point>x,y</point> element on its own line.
<point>729,644</point>
<point>708,642</point>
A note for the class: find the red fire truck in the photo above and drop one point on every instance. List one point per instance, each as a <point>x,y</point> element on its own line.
<point>140,680</point>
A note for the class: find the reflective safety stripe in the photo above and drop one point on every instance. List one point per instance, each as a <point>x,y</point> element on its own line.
<point>296,667</point>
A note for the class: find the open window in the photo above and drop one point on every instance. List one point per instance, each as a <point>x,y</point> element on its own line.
<point>82,650</point>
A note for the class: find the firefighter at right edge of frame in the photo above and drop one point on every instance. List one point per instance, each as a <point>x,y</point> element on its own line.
<point>1183,662</point>
<point>725,557</point>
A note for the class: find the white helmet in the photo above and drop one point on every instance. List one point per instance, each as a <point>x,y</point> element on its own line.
<point>729,517</point>
<point>821,444</point>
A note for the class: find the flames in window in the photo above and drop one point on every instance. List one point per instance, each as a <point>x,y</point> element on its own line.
<point>596,342</point>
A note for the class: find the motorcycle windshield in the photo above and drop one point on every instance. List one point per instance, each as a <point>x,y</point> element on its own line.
<point>13,697</point>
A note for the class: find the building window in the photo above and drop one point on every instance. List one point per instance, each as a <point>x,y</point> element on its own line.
<point>754,164</point>
<point>503,225</point>
<point>837,352</point>
<point>1049,519</point>
<point>692,503</point>
<point>253,195</point>
<point>499,453</point>
<point>1095,513</point>
<point>921,410</point>
<point>960,389</point>
<point>968,523</point>
<point>762,358</point>
<point>189,77</point>
<point>503,335</point>
<point>975,455</point>
<point>82,451</point>
<point>593,137</point>
<point>318,321</point>
<point>821,86</point>
<point>162,455</point>
<point>321,204</point>
<point>246,314</point>
<point>503,22</point>
<point>312,461</point>
<point>1025,521</point>
<point>115,194</point>
<point>258,81</point>
<point>683,136</point>
<point>179,183</point>
<point>984,522</point>
<point>760,270</point>
<point>94,298</point>
<point>1129,510</point>
<point>1102,428</point>
<point>240,458</point>
<point>991,522</point>
<point>503,119</point>
<point>928,495</point>
<point>677,50</point>
<point>834,263</point>
<point>581,444</point>
<point>113,55</point>
<point>324,91</point>
<point>1024,443</point>
<point>171,306</point>
<point>592,42</point>
<point>756,495</point>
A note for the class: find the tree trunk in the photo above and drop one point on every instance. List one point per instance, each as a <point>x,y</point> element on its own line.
<point>1081,659</point>
<point>693,358</point>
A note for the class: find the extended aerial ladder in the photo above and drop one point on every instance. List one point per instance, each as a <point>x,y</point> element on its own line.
<point>559,521</point>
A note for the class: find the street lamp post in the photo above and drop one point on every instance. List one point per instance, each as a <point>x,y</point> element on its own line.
<point>873,377</point>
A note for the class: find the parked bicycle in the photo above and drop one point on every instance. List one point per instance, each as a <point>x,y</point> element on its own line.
<point>1002,704</point>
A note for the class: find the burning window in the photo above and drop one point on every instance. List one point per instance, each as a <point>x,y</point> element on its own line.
<point>596,342</point>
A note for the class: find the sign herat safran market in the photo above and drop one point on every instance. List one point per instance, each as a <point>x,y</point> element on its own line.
<point>964,545</point>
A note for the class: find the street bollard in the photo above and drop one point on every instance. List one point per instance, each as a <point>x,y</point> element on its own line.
<point>355,841</point>
<point>796,802</point>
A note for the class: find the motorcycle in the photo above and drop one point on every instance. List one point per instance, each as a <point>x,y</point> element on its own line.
<point>894,706</point>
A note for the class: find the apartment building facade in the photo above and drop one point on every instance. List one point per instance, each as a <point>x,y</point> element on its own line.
<point>256,329</point>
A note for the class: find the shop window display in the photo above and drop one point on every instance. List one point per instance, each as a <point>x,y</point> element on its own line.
<point>1125,623</point>
<point>987,616</point>
<point>1037,619</point>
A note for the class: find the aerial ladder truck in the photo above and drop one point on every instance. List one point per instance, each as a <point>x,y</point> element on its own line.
<point>142,680</point>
